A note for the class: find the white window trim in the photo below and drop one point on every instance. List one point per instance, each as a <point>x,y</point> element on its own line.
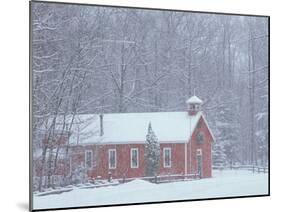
<point>199,152</point>
<point>87,151</point>
<point>170,150</point>
<point>70,165</point>
<point>134,149</point>
<point>109,165</point>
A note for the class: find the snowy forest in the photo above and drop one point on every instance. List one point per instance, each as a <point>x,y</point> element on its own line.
<point>93,60</point>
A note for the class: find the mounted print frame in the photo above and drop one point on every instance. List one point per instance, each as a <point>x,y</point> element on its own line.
<point>139,105</point>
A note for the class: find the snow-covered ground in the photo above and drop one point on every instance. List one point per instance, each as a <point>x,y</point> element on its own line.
<point>222,184</point>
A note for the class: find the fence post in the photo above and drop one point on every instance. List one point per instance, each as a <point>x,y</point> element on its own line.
<point>155,178</point>
<point>109,176</point>
<point>124,178</point>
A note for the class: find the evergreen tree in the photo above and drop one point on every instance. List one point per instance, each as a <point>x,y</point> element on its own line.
<point>79,175</point>
<point>227,126</point>
<point>219,157</point>
<point>152,153</point>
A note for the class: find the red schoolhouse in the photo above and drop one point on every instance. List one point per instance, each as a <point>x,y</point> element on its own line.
<point>118,148</point>
<point>114,144</point>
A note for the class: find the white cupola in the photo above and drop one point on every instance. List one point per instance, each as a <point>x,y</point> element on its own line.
<point>193,105</point>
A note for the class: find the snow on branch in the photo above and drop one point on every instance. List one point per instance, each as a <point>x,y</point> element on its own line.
<point>45,56</point>
<point>44,70</point>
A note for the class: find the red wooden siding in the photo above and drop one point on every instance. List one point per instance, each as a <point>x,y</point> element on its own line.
<point>123,161</point>
<point>177,159</point>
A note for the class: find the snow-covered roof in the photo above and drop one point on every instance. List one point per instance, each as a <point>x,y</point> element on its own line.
<point>132,127</point>
<point>194,100</point>
<point>121,128</point>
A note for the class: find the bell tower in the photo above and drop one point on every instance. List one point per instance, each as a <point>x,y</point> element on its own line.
<point>194,105</point>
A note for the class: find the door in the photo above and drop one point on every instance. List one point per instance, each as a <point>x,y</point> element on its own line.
<point>199,162</point>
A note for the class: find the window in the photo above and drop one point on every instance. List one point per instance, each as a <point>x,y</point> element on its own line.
<point>200,138</point>
<point>192,107</point>
<point>112,158</point>
<point>167,157</point>
<point>88,159</point>
<point>199,152</point>
<point>134,158</point>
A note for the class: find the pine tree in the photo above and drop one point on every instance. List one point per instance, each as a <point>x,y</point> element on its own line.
<point>227,127</point>
<point>219,157</point>
<point>152,153</point>
<point>79,175</point>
